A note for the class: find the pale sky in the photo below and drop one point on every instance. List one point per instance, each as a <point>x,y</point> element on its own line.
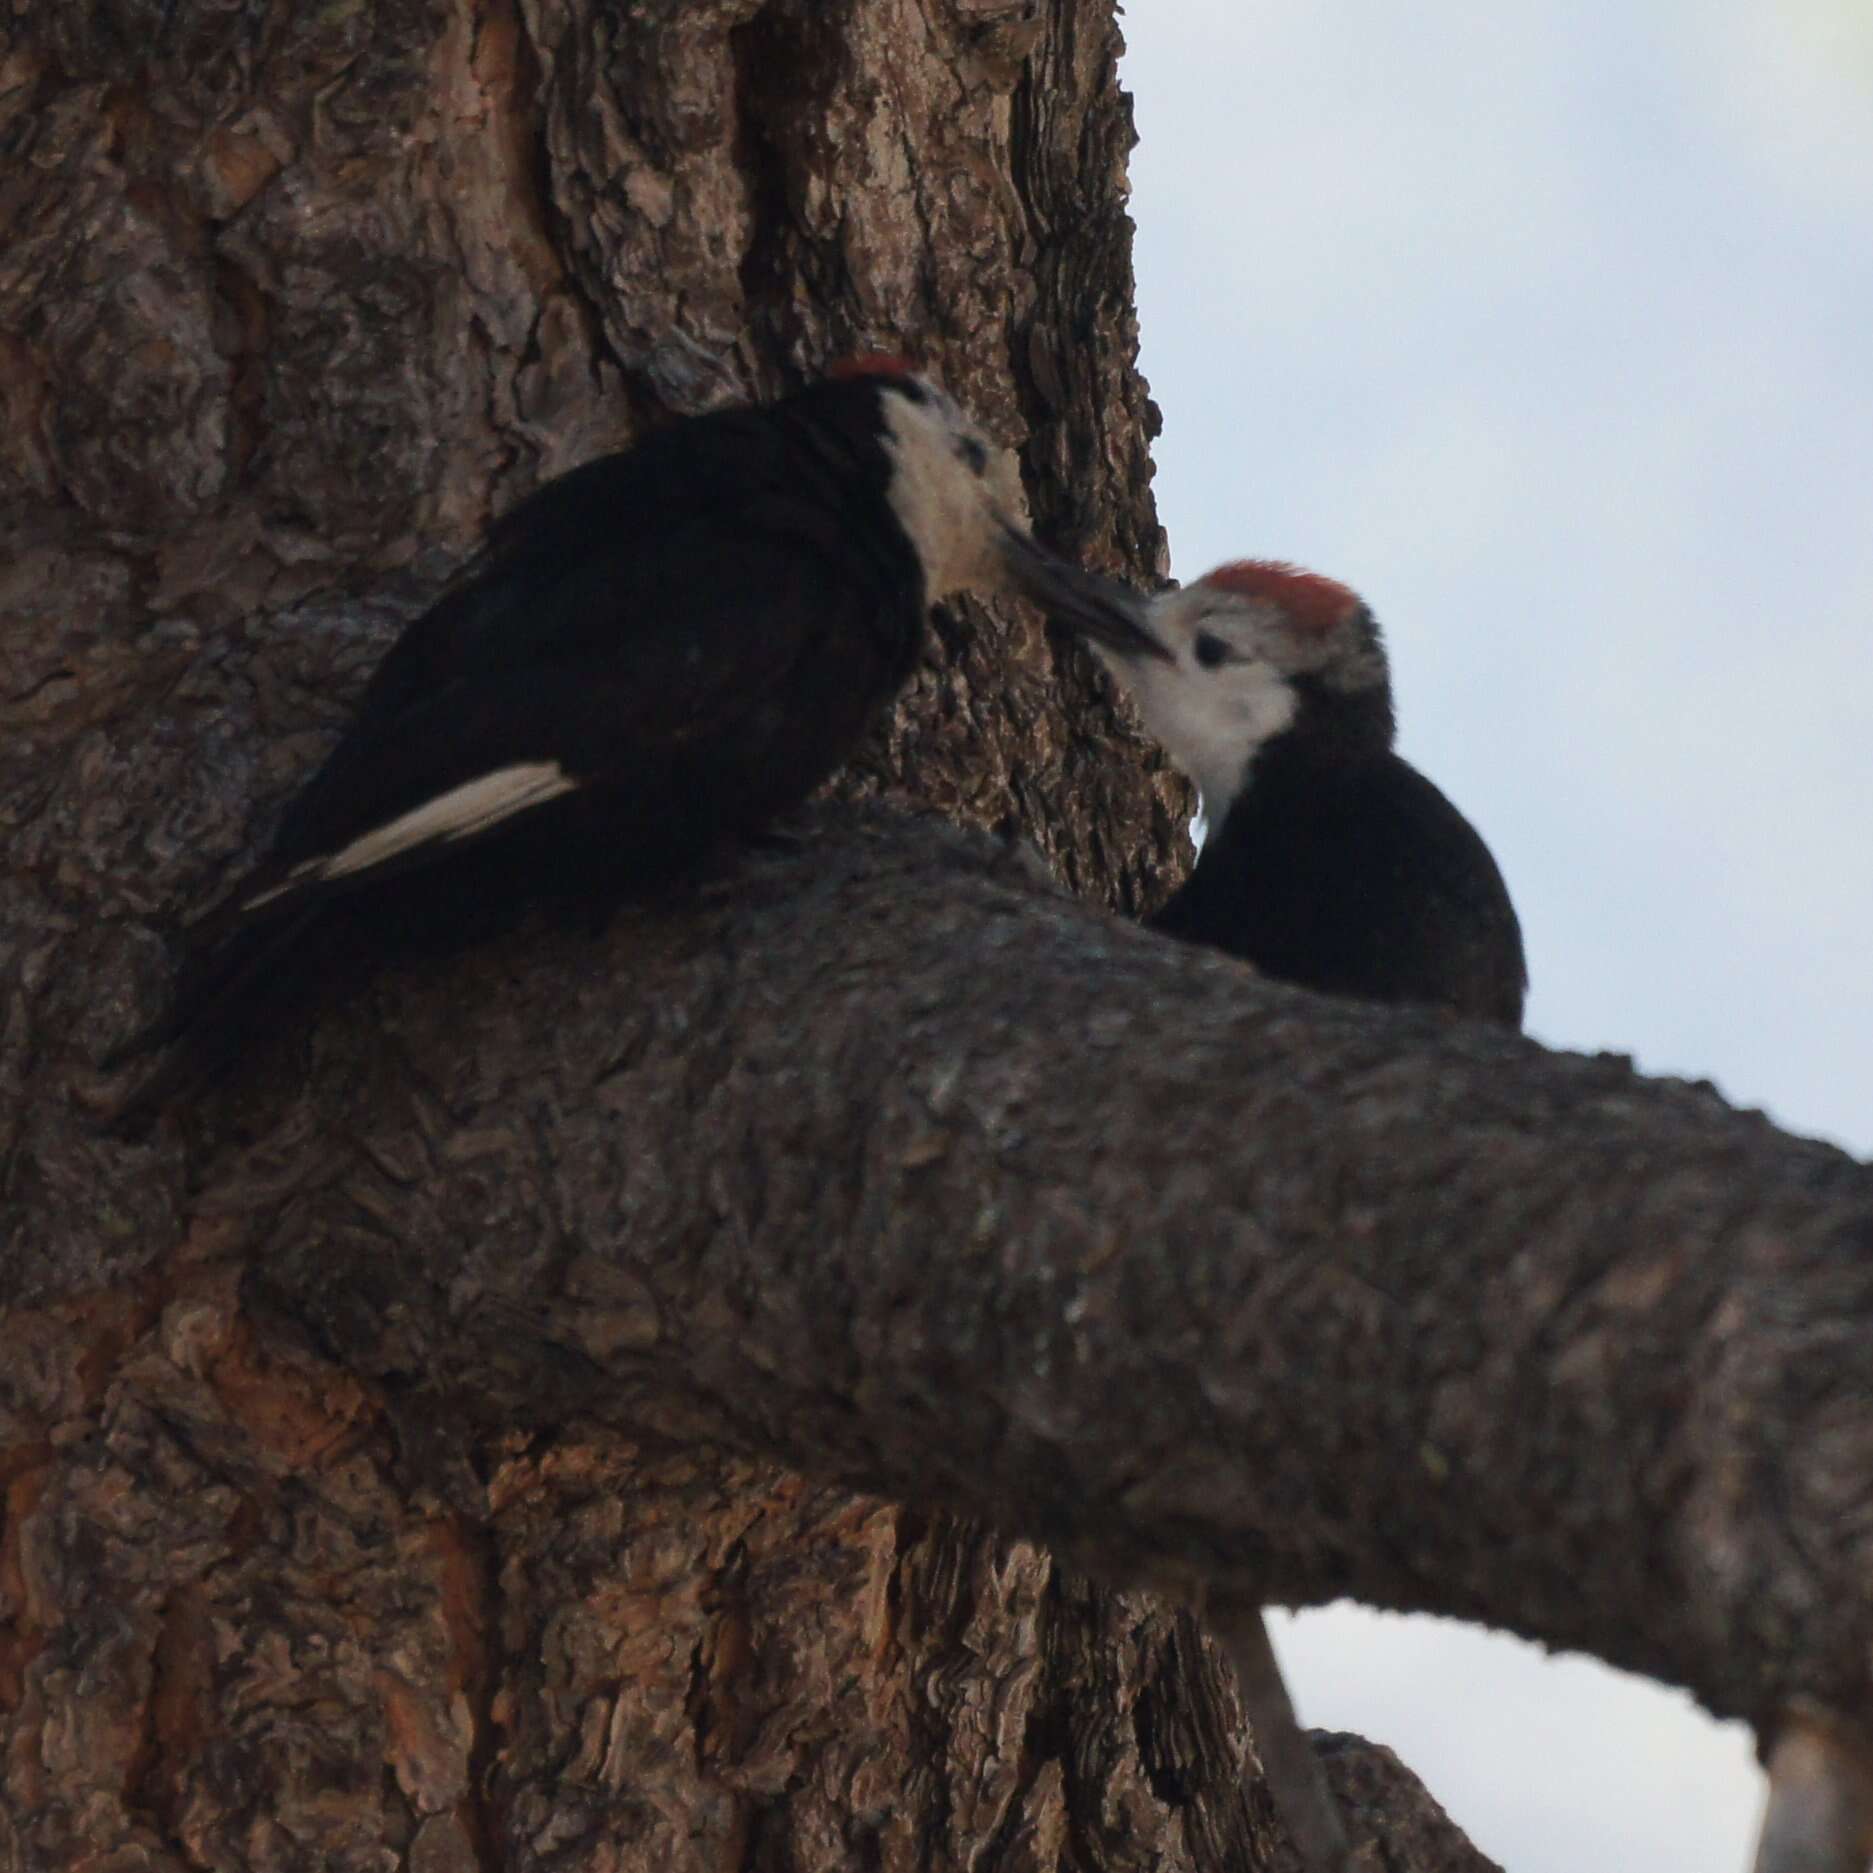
<point>1549,328</point>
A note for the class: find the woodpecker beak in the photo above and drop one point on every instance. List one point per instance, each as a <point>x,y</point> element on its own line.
<point>1102,610</point>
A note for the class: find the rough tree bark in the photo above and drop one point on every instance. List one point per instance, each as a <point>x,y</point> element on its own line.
<point>388,1446</point>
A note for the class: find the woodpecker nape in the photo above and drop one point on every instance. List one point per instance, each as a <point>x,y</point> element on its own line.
<point>1329,860</point>
<point>653,653</point>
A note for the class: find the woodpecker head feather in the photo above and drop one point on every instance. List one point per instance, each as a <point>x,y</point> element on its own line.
<point>1252,651</point>
<point>871,364</point>
<point>1311,601</point>
<point>1263,611</point>
<point>959,499</point>
<point>953,491</point>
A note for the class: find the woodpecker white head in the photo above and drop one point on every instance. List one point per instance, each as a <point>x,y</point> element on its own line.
<point>959,499</point>
<point>1250,652</point>
<point>953,491</point>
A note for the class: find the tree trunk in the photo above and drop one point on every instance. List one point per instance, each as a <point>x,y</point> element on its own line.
<point>291,299</point>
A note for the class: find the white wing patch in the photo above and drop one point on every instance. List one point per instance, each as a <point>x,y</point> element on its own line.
<point>462,811</point>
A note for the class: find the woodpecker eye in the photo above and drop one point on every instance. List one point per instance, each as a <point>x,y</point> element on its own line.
<point>975,454</point>
<point>1211,650</point>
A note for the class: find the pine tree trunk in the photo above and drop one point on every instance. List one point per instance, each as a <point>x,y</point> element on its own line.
<point>292,298</point>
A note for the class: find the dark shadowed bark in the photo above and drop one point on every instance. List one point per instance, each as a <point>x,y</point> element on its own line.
<point>388,1444</point>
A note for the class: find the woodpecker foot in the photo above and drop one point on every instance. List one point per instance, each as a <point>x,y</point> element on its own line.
<point>780,841</point>
<point>1820,1813</point>
<point>722,870</point>
<point>599,909</point>
<point>107,1094</point>
<point>1289,1765</point>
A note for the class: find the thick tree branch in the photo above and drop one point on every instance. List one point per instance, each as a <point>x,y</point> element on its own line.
<point>879,1157</point>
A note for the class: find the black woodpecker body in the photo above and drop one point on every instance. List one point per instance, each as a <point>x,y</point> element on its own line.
<point>1330,861</point>
<point>661,650</point>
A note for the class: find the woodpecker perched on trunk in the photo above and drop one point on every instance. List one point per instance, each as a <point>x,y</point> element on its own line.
<point>662,649</point>
<point>1329,861</point>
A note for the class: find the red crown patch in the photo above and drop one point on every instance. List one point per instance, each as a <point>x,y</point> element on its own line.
<point>1313,602</point>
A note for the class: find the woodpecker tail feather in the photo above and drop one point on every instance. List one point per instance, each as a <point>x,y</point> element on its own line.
<point>223,981</point>
<point>192,1061</point>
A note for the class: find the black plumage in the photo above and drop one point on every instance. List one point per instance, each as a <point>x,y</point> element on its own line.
<point>660,650</point>
<point>1331,862</point>
<point>697,630</point>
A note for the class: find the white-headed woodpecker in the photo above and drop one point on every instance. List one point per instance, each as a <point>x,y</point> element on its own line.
<point>1329,860</point>
<point>662,649</point>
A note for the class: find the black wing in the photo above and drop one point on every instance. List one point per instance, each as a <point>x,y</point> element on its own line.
<point>1459,941</point>
<point>644,533</point>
